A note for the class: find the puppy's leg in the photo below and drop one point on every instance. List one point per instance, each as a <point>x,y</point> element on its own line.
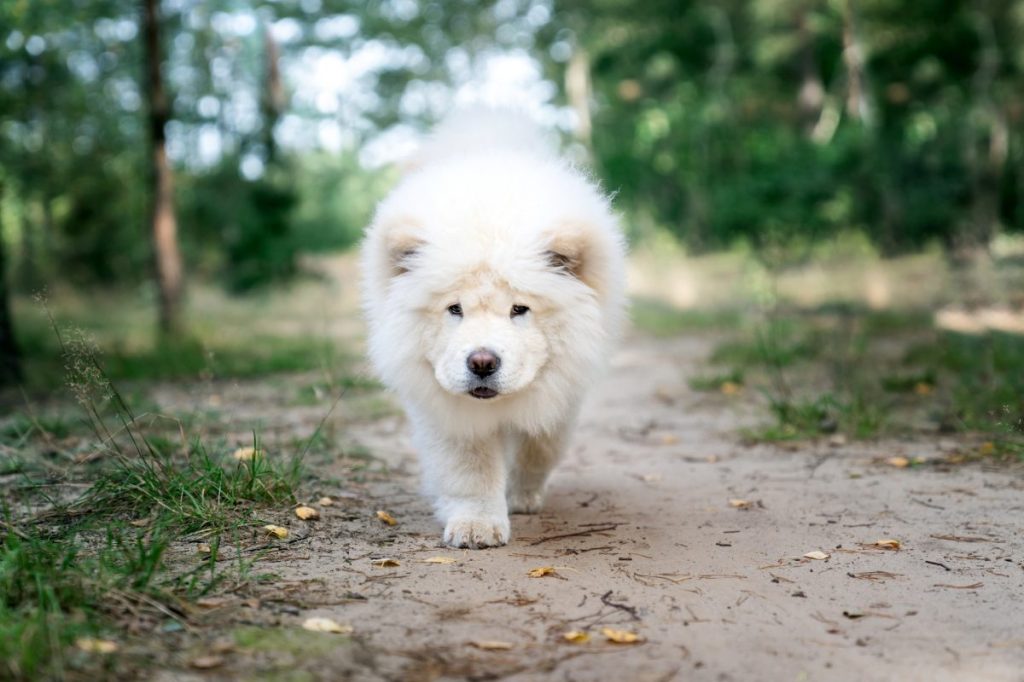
<point>533,462</point>
<point>467,479</point>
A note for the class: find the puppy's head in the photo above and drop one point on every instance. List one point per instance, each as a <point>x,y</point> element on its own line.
<point>470,288</point>
<point>488,321</point>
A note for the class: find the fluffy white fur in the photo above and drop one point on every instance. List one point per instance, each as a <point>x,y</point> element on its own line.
<point>488,218</point>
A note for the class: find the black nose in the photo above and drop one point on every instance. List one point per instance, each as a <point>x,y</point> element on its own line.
<point>483,363</point>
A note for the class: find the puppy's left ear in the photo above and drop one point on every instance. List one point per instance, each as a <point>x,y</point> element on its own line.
<point>576,250</point>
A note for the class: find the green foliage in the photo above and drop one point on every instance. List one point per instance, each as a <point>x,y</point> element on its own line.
<point>785,119</point>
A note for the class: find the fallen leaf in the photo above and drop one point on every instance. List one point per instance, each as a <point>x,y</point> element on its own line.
<point>139,523</point>
<point>741,504</point>
<point>816,555</point>
<point>898,462</point>
<point>888,543</point>
<point>987,448</point>
<point>730,388</point>
<point>386,563</point>
<point>972,586</point>
<point>923,388</point>
<point>212,602</point>
<point>325,501</point>
<point>326,625</point>
<point>669,439</point>
<point>387,518</point>
<point>206,662</point>
<point>278,532</point>
<point>621,636</point>
<point>307,513</point>
<point>247,454</point>
<point>96,646</point>
<point>490,645</point>
<point>576,636</point>
<point>439,560</point>
<point>206,550</point>
<point>542,571</point>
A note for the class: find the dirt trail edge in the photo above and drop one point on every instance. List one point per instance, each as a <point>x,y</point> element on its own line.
<point>661,523</point>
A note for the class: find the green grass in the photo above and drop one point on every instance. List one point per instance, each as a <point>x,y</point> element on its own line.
<point>661,319</point>
<point>825,415</point>
<point>77,566</point>
<point>835,371</point>
<point>716,381</point>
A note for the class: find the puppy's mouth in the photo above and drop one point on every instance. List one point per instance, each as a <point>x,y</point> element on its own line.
<point>482,392</point>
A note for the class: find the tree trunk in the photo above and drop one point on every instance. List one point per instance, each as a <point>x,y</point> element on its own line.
<point>858,96</point>
<point>10,358</point>
<point>164,225</point>
<point>811,97</point>
<point>578,91</point>
<point>273,95</point>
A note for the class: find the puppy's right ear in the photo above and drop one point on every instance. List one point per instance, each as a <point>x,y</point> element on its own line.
<point>402,248</point>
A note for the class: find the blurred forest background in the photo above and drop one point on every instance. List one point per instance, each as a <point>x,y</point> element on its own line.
<point>154,144</point>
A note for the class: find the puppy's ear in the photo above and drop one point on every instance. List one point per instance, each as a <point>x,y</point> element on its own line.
<point>571,250</point>
<point>402,248</point>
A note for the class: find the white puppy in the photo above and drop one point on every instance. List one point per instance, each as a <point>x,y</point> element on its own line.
<point>493,289</point>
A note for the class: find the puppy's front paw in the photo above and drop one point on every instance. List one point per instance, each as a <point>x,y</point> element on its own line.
<point>520,502</point>
<point>476,532</point>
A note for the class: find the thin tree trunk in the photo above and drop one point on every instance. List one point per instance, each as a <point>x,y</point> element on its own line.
<point>273,95</point>
<point>164,224</point>
<point>811,97</point>
<point>858,96</point>
<point>10,357</point>
<point>578,91</point>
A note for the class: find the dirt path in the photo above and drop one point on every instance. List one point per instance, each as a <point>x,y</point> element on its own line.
<point>641,531</point>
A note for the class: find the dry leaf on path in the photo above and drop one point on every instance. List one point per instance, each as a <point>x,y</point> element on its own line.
<point>278,532</point>
<point>887,543</point>
<point>898,462</point>
<point>576,636</point>
<point>307,513</point>
<point>439,560</point>
<point>325,501</point>
<point>326,625</point>
<point>816,555</point>
<point>206,662</point>
<point>212,602</point>
<point>730,388</point>
<point>621,636</point>
<point>542,571</point>
<point>972,586</point>
<point>387,518</point>
<point>386,563</point>
<point>740,504</point>
<point>490,645</point>
<point>96,646</point>
<point>247,454</point>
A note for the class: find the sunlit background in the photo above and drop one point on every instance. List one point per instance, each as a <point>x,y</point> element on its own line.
<point>768,158</point>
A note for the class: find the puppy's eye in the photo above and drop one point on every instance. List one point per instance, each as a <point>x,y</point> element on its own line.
<point>518,310</point>
<point>455,309</point>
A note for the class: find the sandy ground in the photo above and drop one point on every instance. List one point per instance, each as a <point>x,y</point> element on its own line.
<point>643,537</point>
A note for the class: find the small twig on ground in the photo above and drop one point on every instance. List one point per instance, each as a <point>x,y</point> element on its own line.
<point>938,563</point>
<point>631,610</point>
<point>580,533</point>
